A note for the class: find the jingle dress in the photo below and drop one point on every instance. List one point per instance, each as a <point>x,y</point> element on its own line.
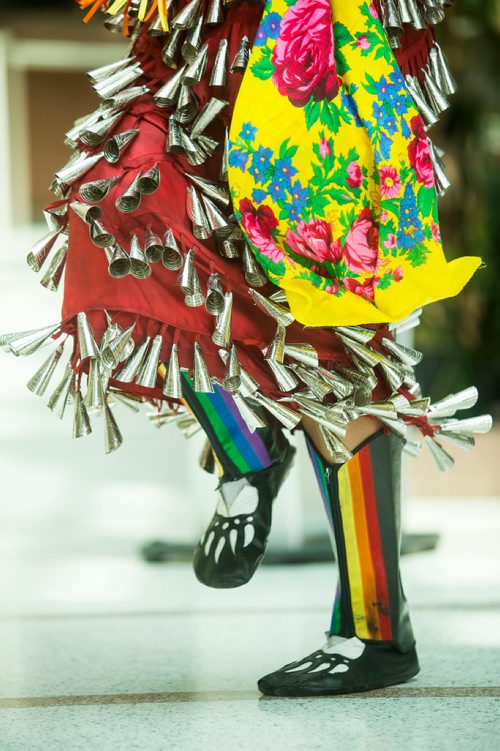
<point>254,204</point>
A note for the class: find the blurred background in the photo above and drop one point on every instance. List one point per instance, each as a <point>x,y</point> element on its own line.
<point>73,522</point>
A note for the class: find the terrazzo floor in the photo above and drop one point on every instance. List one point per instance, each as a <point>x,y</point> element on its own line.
<point>101,651</point>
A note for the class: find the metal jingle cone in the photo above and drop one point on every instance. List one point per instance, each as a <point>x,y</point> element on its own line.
<point>232,376</point>
<point>201,227</point>
<point>38,382</point>
<point>215,295</point>
<point>86,212</point>
<point>170,51</point>
<point>218,76</point>
<point>139,267</point>
<point>436,97</point>
<point>407,355</point>
<point>283,376</point>
<point>379,409</point>
<point>196,297</point>
<point>85,336</point>
<point>73,134</point>
<point>7,339</point>
<point>168,94</point>
<point>391,18</point>
<point>119,265</point>
<point>201,378</point>
<point>209,112</point>
<point>303,353</point>
<point>222,333</point>
<point>407,323</point>
<point>187,17</point>
<point>56,217</point>
<point>133,363</point>
<point>412,448</point>
<point>174,142</point>
<point>104,71</point>
<point>215,13</point>
<point>464,442</point>
<point>479,424</point>
<point>441,457</point>
<point>218,192</point>
<point>192,43</point>
<point>52,277</point>
<point>124,97</point>
<point>357,333</point>
<point>416,408</point>
<point>127,400</point>
<point>313,381</point>
<point>399,401</point>
<point>195,71</point>
<point>289,418</point>
<point>131,199</point>
<point>428,115</point>
<point>217,221</point>
<point>442,182</point>
<point>149,181</point>
<point>116,145</point>
<point>447,407</point>
<point>172,256</point>
<point>97,190</point>
<point>335,446</point>
<point>434,14</point>
<point>195,155</point>
<point>242,57</point>
<point>363,353</point>
<point>417,19</point>
<point>253,272</point>
<point>393,376</point>
<point>40,251</point>
<point>249,415</point>
<point>81,421</point>
<point>224,167</point>
<point>206,144</point>
<point>100,235</point>
<point>404,11</point>
<point>279,297</point>
<point>149,371</point>
<point>112,436</point>
<point>186,277</point>
<point>117,349</point>
<point>440,64</point>
<point>96,133</point>
<point>398,427</point>
<point>341,387</point>
<point>249,385</point>
<point>59,398</point>
<point>94,398</point>
<point>153,246</point>
<point>276,350</point>
<point>76,169</point>
<point>29,341</point>
<point>122,79</point>
<point>173,381</point>
<point>275,310</point>
<point>229,249</point>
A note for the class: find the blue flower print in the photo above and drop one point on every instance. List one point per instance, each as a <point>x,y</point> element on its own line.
<point>261,161</point>
<point>284,170</point>
<point>258,195</point>
<point>272,24</point>
<point>261,37</point>
<point>238,159</point>
<point>248,132</point>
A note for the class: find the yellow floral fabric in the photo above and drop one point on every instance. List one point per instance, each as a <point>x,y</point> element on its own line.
<point>330,169</point>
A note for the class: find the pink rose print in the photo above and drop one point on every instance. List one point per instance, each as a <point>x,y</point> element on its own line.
<point>398,274</point>
<point>362,42</point>
<point>325,148</point>
<point>332,288</point>
<point>390,242</point>
<point>363,289</point>
<point>420,156</point>
<point>390,182</point>
<point>355,175</point>
<point>314,240</point>
<point>361,243</point>
<point>436,231</point>
<point>259,224</point>
<point>303,56</point>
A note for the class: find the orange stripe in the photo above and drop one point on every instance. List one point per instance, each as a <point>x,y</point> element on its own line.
<point>364,551</point>
<point>377,551</point>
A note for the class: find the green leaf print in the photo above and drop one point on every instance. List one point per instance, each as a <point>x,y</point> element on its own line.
<point>426,200</point>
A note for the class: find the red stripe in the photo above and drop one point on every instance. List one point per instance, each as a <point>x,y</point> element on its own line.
<point>377,551</point>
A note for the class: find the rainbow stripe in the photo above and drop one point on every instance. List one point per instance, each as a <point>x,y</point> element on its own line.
<point>236,449</point>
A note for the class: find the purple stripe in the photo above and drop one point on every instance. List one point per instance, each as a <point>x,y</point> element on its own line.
<point>254,439</point>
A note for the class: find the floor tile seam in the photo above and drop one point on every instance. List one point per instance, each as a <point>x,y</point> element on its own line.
<point>189,697</point>
<point>14,617</point>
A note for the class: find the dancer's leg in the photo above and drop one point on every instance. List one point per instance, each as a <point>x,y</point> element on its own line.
<point>252,468</point>
<point>371,641</point>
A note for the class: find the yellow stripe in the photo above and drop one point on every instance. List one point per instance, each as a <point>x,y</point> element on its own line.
<point>353,567</point>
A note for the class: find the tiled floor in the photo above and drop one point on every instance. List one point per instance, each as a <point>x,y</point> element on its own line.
<point>99,650</point>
